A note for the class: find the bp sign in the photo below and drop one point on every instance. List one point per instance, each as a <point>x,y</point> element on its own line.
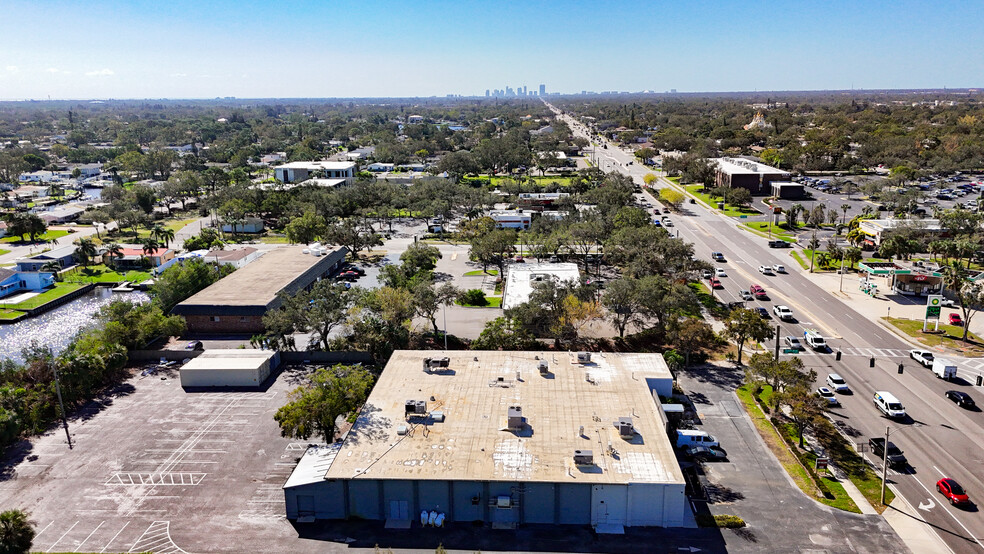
<point>933,305</point>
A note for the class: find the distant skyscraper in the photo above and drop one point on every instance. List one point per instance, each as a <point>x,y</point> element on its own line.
<point>486,92</point>
<point>543,90</point>
<point>524,91</point>
<point>509,91</point>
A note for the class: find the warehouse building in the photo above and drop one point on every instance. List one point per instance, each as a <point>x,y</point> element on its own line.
<point>238,368</point>
<point>504,438</point>
<point>747,174</point>
<point>237,302</point>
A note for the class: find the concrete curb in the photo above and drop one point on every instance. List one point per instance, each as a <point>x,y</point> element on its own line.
<point>912,528</point>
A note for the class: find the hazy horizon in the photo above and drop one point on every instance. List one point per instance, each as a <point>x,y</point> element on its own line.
<point>309,49</point>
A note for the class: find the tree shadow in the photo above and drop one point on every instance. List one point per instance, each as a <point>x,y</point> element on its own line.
<point>13,455</point>
<point>720,494</point>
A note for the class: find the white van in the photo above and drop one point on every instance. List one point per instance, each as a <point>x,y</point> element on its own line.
<point>889,405</point>
<point>688,437</point>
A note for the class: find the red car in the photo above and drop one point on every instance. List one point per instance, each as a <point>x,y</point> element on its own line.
<point>757,291</point>
<point>715,283</point>
<point>955,319</point>
<point>952,491</point>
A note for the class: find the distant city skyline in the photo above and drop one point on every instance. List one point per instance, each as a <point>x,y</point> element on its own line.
<point>254,49</point>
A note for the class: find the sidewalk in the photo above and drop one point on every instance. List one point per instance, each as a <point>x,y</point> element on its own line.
<point>912,528</point>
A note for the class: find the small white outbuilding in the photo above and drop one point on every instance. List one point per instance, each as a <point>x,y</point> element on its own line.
<point>229,368</point>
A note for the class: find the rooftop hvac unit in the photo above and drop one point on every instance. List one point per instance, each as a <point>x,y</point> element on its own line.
<point>416,407</point>
<point>624,426</point>
<point>515,417</point>
<point>583,357</point>
<point>543,366</point>
<point>503,501</point>
<point>583,458</point>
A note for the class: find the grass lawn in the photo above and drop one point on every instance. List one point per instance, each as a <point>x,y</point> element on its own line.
<point>707,300</point>
<point>268,239</point>
<point>491,302</point>
<point>59,290</point>
<point>2,251</point>
<point>48,235</point>
<point>805,264</point>
<point>674,180</point>
<point>762,228</point>
<point>729,210</point>
<point>480,272</point>
<point>9,314</point>
<point>102,274</point>
<point>950,338</point>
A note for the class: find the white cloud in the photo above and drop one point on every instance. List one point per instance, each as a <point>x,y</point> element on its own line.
<point>52,70</point>
<point>179,75</point>
<point>100,73</point>
<point>12,68</point>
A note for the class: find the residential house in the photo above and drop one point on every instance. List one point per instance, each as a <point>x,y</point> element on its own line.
<point>3,229</point>
<point>380,166</point>
<point>13,282</point>
<point>133,256</point>
<point>37,177</point>
<point>64,256</point>
<point>62,214</point>
<point>296,172</point>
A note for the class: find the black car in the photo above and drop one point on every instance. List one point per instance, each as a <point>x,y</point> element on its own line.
<point>762,312</point>
<point>961,399</point>
<point>706,453</point>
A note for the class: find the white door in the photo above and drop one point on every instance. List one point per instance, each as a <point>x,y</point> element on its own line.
<point>608,504</point>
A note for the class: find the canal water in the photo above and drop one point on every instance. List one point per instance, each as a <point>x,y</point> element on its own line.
<point>56,327</point>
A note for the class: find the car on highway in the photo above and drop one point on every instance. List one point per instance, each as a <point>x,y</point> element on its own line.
<point>837,383</point>
<point>955,319</point>
<point>778,244</point>
<point>706,274</point>
<point>765,270</point>
<point>952,491</point>
<point>717,256</point>
<point>961,399</point>
<point>762,312</point>
<point>924,357</point>
<point>715,283</point>
<point>758,292</point>
<point>894,455</point>
<point>783,312</point>
<point>745,295</point>
<point>720,272</point>
<point>668,222</point>
<point>779,268</point>
<point>706,453</point>
<point>828,395</point>
<point>793,342</point>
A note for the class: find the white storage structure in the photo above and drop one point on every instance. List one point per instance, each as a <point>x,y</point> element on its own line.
<point>229,368</point>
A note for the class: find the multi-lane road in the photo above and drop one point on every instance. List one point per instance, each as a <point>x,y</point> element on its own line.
<point>939,438</point>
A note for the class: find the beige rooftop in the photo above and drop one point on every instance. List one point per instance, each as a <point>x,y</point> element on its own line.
<point>473,442</point>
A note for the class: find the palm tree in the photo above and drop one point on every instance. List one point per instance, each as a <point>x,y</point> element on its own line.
<point>16,531</point>
<point>114,250</point>
<point>162,234</point>
<point>844,208</point>
<point>150,246</point>
<point>853,255</point>
<point>86,251</point>
<point>52,267</point>
<point>813,245</point>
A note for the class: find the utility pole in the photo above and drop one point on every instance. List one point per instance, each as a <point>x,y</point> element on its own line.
<point>884,466</point>
<point>445,326</point>
<point>61,405</point>
<point>778,329</point>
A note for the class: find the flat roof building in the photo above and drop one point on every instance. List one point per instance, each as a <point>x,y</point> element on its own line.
<point>234,367</point>
<point>295,172</point>
<point>237,302</point>
<point>506,438</point>
<point>875,231</point>
<point>747,174</point>
<point>521,278</point>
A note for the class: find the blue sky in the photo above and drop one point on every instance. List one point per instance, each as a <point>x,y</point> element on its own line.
<point>298,48</point>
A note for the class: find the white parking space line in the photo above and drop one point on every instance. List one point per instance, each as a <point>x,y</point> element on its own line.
<point>52,547</point>
<point>103,549</point>
<point>38,534</point>
<point>79,547</point>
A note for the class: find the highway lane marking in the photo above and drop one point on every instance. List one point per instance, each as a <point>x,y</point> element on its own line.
<point>962,526</point>
<point>938,469</point>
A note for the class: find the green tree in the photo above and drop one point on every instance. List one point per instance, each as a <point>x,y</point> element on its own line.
<point>969,293</point>
<point>113,254</point>
<point>778,374</point>
<point>624,304</point>
<point>812,245</point>
<point>85,251</point>
<point>317,311</point>
<point>504,333</point>
<point>494,248</point>
<point>313,409</point>
<point>306,228</point>
<point>16,532</point>
<point>691,335</point>
<point>805,408</point>
<point>671,197</point>
<point>162,234</point>
<point>428,298</point>
<point>742,324</point>
<point>182,280</point>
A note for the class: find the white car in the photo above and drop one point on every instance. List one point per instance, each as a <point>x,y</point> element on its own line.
<point>765,270</point>
<point>837,383</point>
<point>782,312</point>
<point>779,268</point>
<point>828,395</point>
<point>745,295</point>
<point>719,272</point>
<point>668,223</point>
<point>706,274</point>
<point>793,342</point>
<point>925,357</point>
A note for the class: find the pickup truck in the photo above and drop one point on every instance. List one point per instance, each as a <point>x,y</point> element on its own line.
<point>895,455</point>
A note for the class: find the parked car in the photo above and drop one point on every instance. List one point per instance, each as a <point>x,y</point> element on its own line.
<point>837,383</point>
<point>706,453</point>
<point>793,342</point>
<point>828,395</point>
<point>765,270</point>
<point>779,268</point>
<point>924,357</point>
<point>955,319</point>
<point>952,491</point>
<point>194,345</point>
<point>961,399</point>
